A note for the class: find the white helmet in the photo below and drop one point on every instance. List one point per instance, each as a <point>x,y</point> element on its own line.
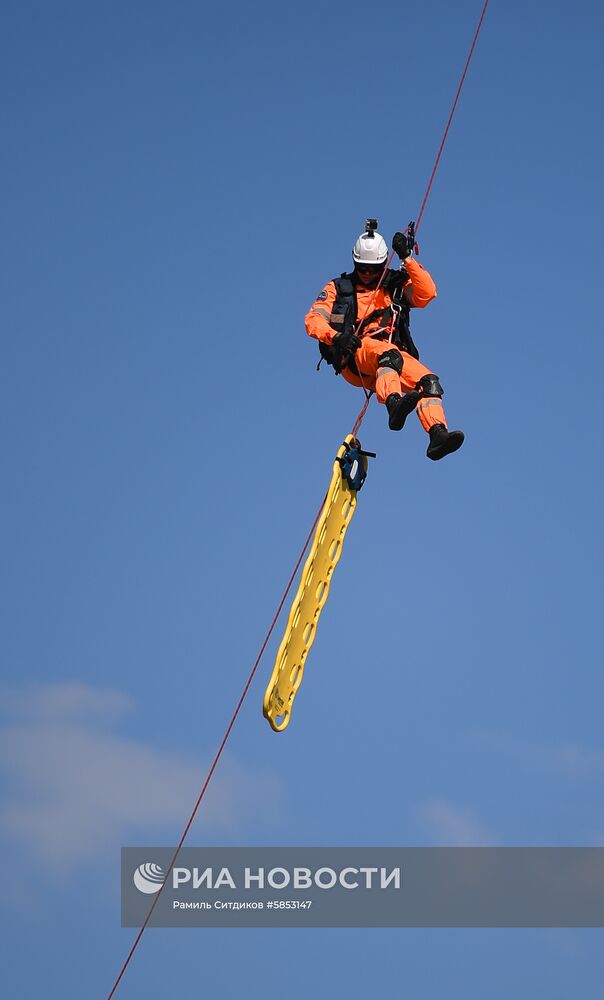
<point>370,248</point>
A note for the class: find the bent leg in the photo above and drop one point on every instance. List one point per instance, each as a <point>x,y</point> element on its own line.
<point>430,408</point>
<point>382,363</point>
<point>388,370</point>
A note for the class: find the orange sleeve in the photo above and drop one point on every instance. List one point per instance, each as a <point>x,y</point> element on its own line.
<point>316,320</point>
<point>420,289</point>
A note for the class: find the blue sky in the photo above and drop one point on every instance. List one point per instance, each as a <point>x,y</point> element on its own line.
<point>178,182</point>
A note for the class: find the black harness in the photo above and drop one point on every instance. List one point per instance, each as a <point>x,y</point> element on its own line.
<point>344,316</point>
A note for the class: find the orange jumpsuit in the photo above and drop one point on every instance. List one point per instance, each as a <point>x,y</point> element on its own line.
<point>418,290</point>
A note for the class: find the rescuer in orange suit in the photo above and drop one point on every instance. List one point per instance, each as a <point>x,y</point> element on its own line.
<point>361,321</point>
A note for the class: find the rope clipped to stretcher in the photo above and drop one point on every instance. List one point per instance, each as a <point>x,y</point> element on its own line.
<point>354,431</point>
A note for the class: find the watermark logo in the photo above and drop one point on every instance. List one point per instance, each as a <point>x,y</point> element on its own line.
<point>363,886</point>
<point>149,877</point>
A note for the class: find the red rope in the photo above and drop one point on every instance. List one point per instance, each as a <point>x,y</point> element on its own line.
<point>359,419</point>
<point>362,413</point>
<point>450,119</point>
<point>219,751</point>
<point>356,427</point>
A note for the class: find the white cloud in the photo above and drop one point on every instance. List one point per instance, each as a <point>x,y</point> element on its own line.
<point>64,701</point>
<point>448,825</point>
<point>77,790</point>
<point>568,760</point>
<point>574,759</point>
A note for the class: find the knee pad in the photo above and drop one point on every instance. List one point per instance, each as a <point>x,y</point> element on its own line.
<point>429,385</point>
<point>391,359</point>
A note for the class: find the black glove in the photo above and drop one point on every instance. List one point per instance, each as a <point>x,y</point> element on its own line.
<point>395,280</point>
<point>403,244</point>
<point>346,343</point>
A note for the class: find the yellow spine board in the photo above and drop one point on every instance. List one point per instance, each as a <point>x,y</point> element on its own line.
<point>301,628</point>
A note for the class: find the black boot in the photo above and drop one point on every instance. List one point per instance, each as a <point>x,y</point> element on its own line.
<point>443,442</point>
<point>399,407</point>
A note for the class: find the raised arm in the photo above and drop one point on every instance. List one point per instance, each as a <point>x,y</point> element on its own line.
<point>420,289</point>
